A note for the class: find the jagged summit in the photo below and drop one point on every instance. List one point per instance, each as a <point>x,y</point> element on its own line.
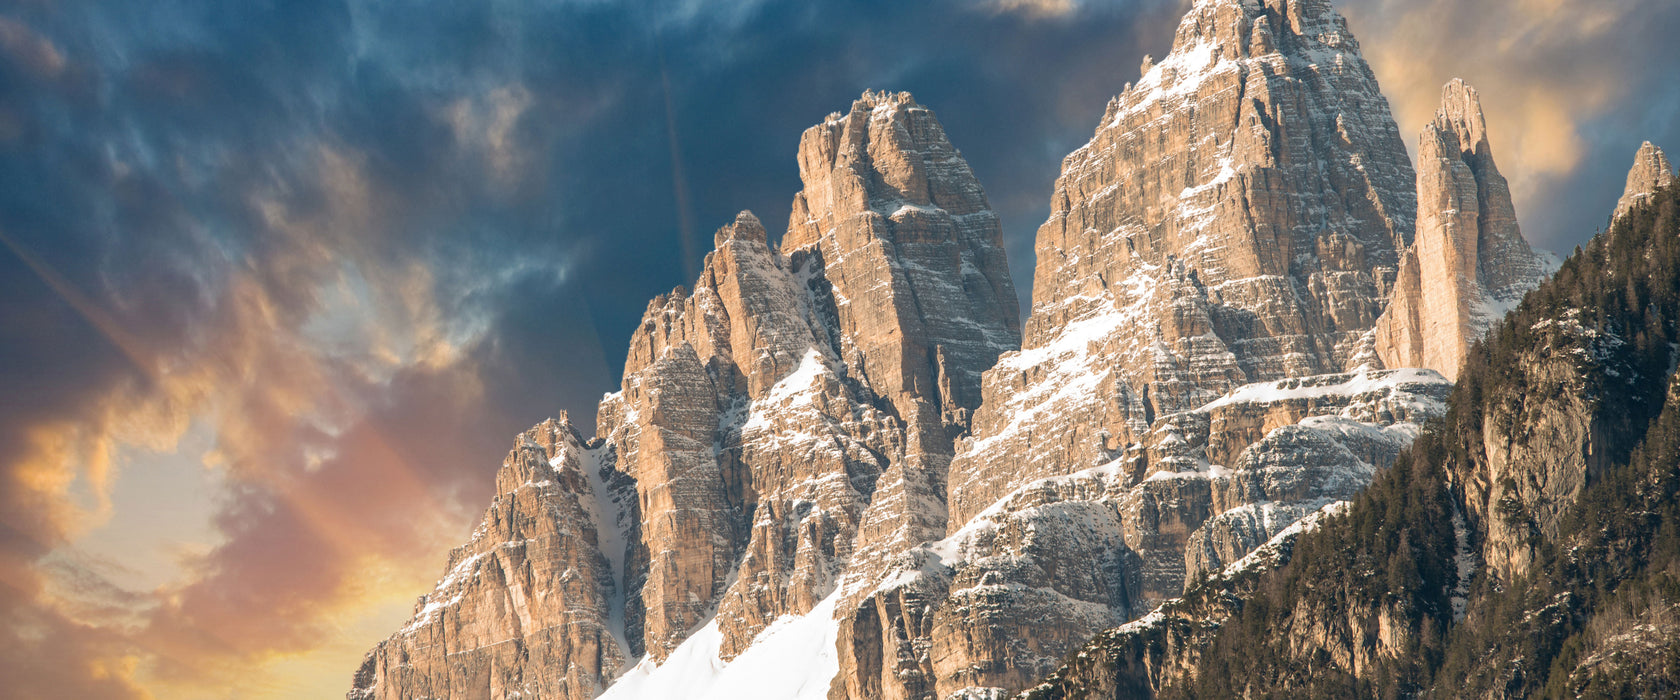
<point>790,414</point>
<point>1470,263</point>
<point>1234,219</point>
<point>746,227</point>
<point>1230,230</point>
<point>1651,172</point>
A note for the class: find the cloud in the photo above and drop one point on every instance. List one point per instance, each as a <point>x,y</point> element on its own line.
<point>359,248</point>
<point>353,248</point>
<point>1568,87</point>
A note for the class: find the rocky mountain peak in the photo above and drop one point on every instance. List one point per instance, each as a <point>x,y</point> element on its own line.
<point>784,419</point>
<point>1651,172</point>
<point>1461,114</point>
<point>1469,264</point>
<point>746,227</point>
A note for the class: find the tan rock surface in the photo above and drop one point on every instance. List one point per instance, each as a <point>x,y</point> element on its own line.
<point>529,606</point>
<point>1235,219</point>
<point>1651,172</point>
<point>765,419</point>
<point>1469,263</point>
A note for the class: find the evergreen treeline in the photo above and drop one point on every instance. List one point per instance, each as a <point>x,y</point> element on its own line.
<point>1605,589</point>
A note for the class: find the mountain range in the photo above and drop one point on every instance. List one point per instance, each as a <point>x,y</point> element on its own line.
<point>1290,415</point>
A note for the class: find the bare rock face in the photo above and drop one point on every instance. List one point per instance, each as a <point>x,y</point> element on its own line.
<point>1235,219</point>
<point>1470,263</point>
<point>1651,172</point>
<point>922,299</point>
<point>1540,451</point>
<point>998,604</point>
<point>787,412</point>
<point>528,607</point>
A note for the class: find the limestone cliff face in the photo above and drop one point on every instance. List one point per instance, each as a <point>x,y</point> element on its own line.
<point>997,604</point>
<point>1505,555</point>
<point>1469,263</point>
<point>921,296</point>
<point>1235,219</point>
<point>1651,172</point>
<point>788,411</point>
<point>851,418</point>
<point>530,606</point>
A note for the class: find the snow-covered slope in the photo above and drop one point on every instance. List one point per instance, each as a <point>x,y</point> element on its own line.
<point>792,659</point>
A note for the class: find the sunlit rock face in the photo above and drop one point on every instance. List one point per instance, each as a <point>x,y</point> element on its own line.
<point>1235,221</point>
<point>1469,264</point>
<point>798,405</point>
<point>530,605</point>
<point>1651,172</point>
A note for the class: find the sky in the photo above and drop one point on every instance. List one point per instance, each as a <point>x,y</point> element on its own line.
<point>281,279</point>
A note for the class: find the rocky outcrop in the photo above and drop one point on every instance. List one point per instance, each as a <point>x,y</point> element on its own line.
<point>1651,172</point>
<point>530,606</point>
<point>1235,219</point>
<point>848,421</point>
<point>1469,264</point>
<point>997,604</point>
<point>790,410</point>
<point>921,296</point>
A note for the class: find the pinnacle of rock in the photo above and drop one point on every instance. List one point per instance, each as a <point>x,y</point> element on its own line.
<point>1235,220</point>
<point>1651,172</point>
<point>745,228</point>
<point>1469,263</point>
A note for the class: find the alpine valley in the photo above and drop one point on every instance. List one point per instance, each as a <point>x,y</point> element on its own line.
<point>1291,416</point>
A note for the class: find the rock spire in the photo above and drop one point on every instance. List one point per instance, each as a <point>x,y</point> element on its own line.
<point>1651,172</point>
<point>1469,263</point>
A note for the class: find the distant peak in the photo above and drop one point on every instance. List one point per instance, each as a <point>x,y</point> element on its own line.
<point>1651,172</point>
<point>1461,113</point>
<point>872,99</point>
<point>746,227</point>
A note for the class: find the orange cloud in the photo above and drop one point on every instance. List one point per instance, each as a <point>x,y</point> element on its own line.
<point>344,462</point>
<point>1544,68</point>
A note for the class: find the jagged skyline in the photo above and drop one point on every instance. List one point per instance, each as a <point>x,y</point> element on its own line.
<point>263,264</point>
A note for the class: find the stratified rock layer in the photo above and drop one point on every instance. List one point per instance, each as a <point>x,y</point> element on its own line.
<point>1235,219</point>
<point>1469,264</point>
<point>996,605</point>
<point>850,418</point>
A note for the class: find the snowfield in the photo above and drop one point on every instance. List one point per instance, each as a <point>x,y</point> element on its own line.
<point>792,659</point>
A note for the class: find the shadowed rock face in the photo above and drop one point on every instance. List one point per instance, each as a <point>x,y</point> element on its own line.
<point>1470,263</point>
<point>765,419</point>
<point>1651,172</point>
